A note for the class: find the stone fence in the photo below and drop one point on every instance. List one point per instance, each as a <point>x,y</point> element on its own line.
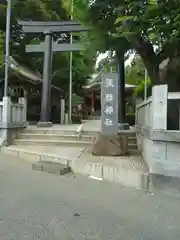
<point>12,119</point>
<point>160,147</point>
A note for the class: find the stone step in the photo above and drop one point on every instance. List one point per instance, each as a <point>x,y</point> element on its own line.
<point>49,131</point>
<point>58,141</point>
<point>46,142</point>
<point>81,137</point>
<point>132,146</point>
<point>129,171</point>
<point>90,132</point>
<point>51,167</point>
<point>132,140</point>
<point>57,137</point>
<point>59,132</point>
<point>129,133</point>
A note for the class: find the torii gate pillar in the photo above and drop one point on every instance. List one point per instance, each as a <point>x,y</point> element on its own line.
<point>46,86</point>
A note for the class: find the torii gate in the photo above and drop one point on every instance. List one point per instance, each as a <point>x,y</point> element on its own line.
<point>48,46</point>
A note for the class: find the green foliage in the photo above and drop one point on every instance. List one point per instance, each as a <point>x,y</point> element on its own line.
<point>43,10</point>
<point>139,91</point>
<point>135,72</point>
<point>152,28</point>
<point>1,49</point>
<point>77,100</point>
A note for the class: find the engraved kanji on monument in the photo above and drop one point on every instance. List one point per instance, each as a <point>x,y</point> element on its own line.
<point>109,104</point>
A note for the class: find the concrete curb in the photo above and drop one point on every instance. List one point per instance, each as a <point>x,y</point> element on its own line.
<point>34,157</point>
<point>122,174</point>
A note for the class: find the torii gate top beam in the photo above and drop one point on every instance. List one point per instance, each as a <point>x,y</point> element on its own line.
<point>57,26</point>
<point>48,23</point>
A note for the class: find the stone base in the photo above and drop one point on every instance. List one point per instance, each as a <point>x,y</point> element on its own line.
<point>123,126</point>
<point>44,124</point>
<point>110,146</point>
<point>51,167</point>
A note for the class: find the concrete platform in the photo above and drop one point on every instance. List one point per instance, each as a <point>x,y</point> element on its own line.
<point>129,171</point>
<point>60,154</point>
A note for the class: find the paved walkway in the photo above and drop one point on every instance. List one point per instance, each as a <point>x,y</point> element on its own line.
<point>36,205</point>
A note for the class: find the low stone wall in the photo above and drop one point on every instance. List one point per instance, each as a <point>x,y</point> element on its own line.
<point>158,142</point>
<point>160,150</point>
<point>7,136</point>
<point>12,119</point>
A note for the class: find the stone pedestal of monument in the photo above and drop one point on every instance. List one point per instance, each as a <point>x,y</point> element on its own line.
<point>110,146</point>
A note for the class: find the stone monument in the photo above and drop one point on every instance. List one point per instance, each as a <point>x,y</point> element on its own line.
<point>109,142</point>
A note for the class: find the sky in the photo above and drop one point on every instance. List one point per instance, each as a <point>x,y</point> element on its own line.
<point>104,55</point>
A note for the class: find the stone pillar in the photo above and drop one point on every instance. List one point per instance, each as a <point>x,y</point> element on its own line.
<point>46,88</point>
<point>66,118</point>
<point>62,111</point>
<point>92,102</point>
<point>23,101</point>
<point>6,118</point>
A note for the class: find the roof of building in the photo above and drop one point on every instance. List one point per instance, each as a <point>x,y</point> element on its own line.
<point>31,76</point>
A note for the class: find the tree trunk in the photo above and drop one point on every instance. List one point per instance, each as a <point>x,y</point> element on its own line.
<point>153,70</point>
<point>149,58</point>
<point>167,72</point>
<point>170,75</point>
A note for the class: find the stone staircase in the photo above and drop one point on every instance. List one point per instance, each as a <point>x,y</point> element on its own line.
<point>54,137</point>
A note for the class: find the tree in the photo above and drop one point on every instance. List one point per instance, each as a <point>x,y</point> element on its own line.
<point>1,51</point>
<point>43,10</point>
<point>135,72</point>
<point>149,27</point>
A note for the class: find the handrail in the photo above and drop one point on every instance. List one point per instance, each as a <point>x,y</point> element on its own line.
<point>145,102</point>
<point>153,111</point>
